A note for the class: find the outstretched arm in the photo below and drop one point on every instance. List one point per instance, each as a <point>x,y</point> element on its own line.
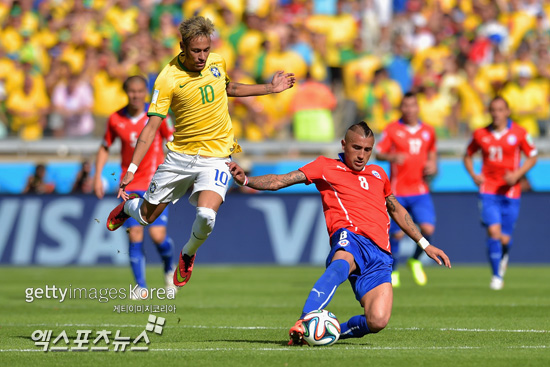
<point>101,159</point>
<point>266,182</point>
<point>279,83</point>
<point>402,217</point>
<point>144,141</point>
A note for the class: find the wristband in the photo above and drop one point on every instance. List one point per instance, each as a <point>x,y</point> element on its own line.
<point>245,181</point>
<point>132,168</point>
<point>423,243</point>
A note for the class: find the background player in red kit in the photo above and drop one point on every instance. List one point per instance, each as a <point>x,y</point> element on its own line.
<point>126,125</point>
<point>356,201</point>
<point>501,144</point>
<point>410,147</point>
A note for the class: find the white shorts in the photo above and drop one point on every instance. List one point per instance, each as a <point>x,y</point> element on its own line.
<point>180,171</point>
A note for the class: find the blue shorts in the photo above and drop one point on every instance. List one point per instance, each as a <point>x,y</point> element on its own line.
<point>421,208</point>
<point>498,209</point>
<point>374,266</point>
<point>162,220</point>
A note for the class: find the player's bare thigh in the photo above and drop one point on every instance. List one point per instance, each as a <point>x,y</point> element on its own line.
<point>150,212</point>
<point>494,230</point>
<point>209,199</point>
<point>378,304</point>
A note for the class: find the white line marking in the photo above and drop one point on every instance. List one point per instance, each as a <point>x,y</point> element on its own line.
<point>292,349</point>
<point>272,328</point>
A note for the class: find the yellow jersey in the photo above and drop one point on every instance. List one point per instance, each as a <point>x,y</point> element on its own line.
<point>199,103</point>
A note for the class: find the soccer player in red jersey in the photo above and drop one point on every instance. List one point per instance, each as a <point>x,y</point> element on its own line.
<point>501,144</point>
<point>356,201</point>
<point>126,125</point>
<point>410,147</point>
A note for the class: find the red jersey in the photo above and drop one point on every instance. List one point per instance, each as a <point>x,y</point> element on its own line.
<point>501,153</point>
<point>127,129</point>
<point>407,179</point>
<point>352,200</point>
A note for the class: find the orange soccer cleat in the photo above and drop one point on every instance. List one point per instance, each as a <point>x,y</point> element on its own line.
<point>117,217</point>
<point>184,270</point>
<point>296,334</point>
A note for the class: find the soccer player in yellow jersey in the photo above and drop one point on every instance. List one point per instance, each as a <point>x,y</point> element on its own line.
<point>195,86</point>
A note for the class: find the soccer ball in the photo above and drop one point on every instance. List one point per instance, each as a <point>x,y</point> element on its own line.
<point>321,327</point>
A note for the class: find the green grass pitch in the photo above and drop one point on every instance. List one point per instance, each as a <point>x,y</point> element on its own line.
<point>239,316</point>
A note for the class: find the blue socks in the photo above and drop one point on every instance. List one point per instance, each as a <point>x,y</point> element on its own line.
<point>137,262</point>
<point>323,290</point>
<point>137,259</point>
<point>506,248</point>
<point>166,251</point>
<point>494,248</point>
<point>394,244</point>
<point>356,327</point>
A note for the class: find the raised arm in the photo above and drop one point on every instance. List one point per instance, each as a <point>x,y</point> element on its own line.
<point>401,216</point>
<point>280,82</point>
<point>100,160</point>
<point>144,141</point>
<point>266,182</point>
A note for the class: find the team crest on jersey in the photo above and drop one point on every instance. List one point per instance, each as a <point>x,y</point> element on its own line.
<point>153,187</point>
<point>214,70</point>
<point>343,243</point>
<point>512,139</point>
<point>425,135</point>
<point>376,174</point>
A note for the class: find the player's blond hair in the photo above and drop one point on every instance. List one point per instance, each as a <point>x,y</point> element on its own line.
<point>195,27</point>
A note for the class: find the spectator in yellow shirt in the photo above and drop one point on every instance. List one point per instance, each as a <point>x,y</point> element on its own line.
<point>434,109</point>
<point>27,108</point>
<point>526,100</point>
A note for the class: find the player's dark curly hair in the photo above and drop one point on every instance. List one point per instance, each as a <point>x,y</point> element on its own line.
<point>362,128</point>
<point>195,27</point>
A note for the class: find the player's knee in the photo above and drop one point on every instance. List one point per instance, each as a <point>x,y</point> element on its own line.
<point>135,234</point>
<point>204,222</point>
<point>158,234</point>
<point>377,322</point>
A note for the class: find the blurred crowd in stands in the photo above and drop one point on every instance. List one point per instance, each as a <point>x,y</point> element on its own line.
<point>63,62</point>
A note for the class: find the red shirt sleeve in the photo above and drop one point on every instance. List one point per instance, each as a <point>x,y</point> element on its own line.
<point>166,130</point>
<point>527,145</point>
<point>473,146</point>
<point>314,170</point>
<point>385,143</point>
<point>387,184</point>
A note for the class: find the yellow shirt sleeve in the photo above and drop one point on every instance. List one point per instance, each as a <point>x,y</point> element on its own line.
<point>162,95</point>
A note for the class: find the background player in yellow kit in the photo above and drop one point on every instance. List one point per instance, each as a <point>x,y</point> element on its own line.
<point>195,86</point>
